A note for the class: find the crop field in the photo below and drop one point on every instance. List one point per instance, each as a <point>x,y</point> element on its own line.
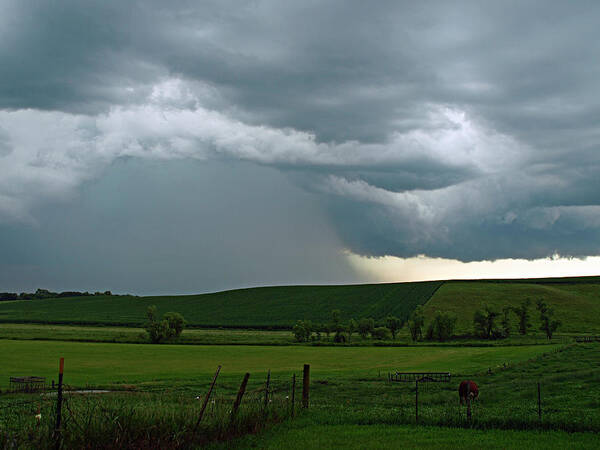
<point>577,305</point>
<point>255,307</point>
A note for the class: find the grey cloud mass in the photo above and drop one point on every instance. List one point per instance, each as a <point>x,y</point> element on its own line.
<point>464,130</point>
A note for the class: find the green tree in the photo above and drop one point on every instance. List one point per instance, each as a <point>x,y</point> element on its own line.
<point>176,324</point>
<point>416,322</point>
<point>365,326</point>
<point>156,329</point>
<point>394,324</point>
<point>352,328</point>
<point>548,325</point>
<point>302,330</point>
<point>170,326</point>
<point>505,322</point>
<point>524,317</point>
<point>337,327</point>
<point>484,321</point>
<point>441,328</point>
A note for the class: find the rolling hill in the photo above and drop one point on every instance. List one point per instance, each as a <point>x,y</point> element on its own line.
<point>575,300</point>
<point>274,307</point>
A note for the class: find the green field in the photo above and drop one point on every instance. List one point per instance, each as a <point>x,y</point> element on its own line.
<point>131,335</point>
<point>303,436</point>
<point>104,364</point>
<point>256,307</point>
<point>352,403</point>
<point>577,305</point>
<point>154,387</point>
<point>233,336</point>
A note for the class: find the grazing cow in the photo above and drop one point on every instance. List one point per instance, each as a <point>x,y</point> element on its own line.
<point>467,389</point>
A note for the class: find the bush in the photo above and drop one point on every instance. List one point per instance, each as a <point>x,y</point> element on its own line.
<point>381,333</point>
<point>340,338</point>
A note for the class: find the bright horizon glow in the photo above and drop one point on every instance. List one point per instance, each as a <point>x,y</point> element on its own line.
<point>424,268</point>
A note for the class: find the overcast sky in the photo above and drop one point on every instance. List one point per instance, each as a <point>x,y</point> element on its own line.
<point>184,146</point>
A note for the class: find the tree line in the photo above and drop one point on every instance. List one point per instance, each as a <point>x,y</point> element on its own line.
<point>42,294</point>
<point>440,328</point>
<point>490,323</point>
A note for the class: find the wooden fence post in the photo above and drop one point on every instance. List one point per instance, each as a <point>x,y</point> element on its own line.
<point>240,394</point>
<point>539,401</point>
<point>267,390</point>
<point>205,403</point>
<point>59,400</point>
<point>417,401</point>
<point>293,395</point>
<point>305,385</point>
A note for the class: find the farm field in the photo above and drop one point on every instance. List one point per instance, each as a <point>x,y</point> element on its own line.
<point>254,307</point>
<point>104,364</point>
<point>577,305</point>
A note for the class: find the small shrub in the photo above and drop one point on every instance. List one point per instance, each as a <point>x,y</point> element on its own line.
<point>381,333</point>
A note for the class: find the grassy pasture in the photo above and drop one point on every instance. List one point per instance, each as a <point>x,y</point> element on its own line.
<point>256,307</point>
<point>122,334</point>
<point>302,436</point>
<point>105,364</point>
<point>232,336</point>
<point>350,403</point>
<point>577,305</point>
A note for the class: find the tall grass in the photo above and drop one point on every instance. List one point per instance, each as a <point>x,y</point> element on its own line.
<point>137,420</point>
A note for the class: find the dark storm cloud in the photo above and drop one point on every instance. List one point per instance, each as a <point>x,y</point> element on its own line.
<point>465,130</point>
<point>176,227</point>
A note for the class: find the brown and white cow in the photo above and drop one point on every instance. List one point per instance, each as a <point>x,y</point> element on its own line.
<point>467,389</point>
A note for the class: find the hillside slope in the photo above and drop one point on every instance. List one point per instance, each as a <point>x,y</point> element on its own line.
<point>576,301</point>
<point>277,307</point>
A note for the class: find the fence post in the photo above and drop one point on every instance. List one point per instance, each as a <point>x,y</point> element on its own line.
<point>417,401</point>
<point>205,403</point>
<point>305,385</point>
<point>469,400</point>
<point>539,401</point>
<point>267,391</point>
<point>59,399</point>
<point>293,395</point>
<point>240,394</point>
